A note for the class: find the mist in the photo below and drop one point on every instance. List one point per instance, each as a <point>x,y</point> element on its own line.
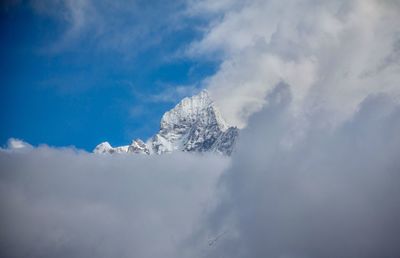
<point>69,203</point>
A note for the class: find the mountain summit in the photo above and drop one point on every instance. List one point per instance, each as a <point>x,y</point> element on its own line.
<point>193,125</point>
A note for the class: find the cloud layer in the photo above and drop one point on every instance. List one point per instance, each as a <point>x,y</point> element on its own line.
<point>66,203</point>
<point>315,84</point>
<point>331,194</point>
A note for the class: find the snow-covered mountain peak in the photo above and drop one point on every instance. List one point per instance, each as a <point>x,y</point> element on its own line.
<point>198,108</point>
<point>194,124</point>
<point>138,146</point>
<point>103,147</point>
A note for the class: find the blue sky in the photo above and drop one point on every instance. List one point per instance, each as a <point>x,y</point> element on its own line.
<point>79,75</point>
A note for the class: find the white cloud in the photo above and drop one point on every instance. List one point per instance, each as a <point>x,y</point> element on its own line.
<point>331,53</point>
<point>316,84</point>
<point>171,93</point>
<point>68,203</point>
<point>17,144</point>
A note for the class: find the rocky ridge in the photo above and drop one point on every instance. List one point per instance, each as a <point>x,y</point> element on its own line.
<point>193,125</point>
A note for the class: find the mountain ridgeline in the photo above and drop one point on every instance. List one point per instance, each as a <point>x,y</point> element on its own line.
<point>193,125</point>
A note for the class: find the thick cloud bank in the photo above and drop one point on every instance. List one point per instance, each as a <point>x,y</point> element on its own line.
<point>324,193</point>
<point>332,53</point>
<point>66,203</point>
<point>316,85</point>
<point>332,193</point>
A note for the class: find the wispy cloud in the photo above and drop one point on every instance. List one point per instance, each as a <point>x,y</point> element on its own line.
<point>120,26</point>
<point>174,94</point>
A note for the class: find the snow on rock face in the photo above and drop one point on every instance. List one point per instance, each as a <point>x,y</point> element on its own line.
<point>138,146</point>
<point>105,147</point>
<point>192,125</point>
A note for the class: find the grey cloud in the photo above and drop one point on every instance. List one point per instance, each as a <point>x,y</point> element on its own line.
<point>68,203</point>
<point>393,58</point>
<point>330,193</point>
